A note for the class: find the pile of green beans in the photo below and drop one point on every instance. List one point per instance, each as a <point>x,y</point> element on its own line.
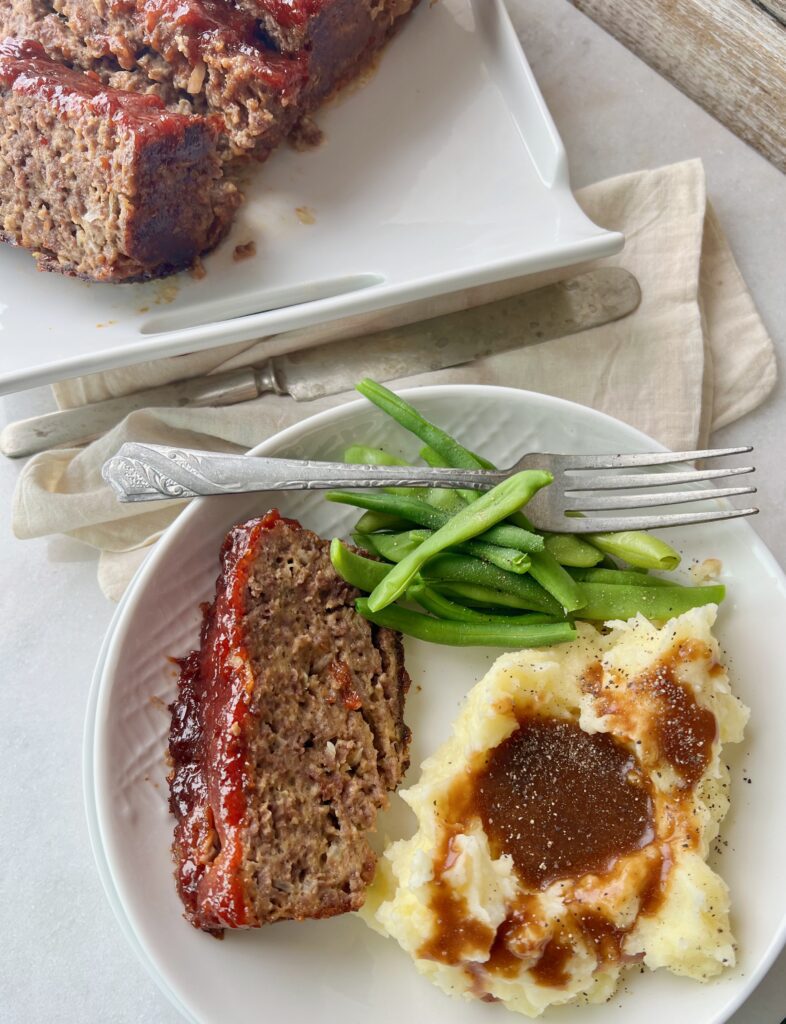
<point>475,565</point>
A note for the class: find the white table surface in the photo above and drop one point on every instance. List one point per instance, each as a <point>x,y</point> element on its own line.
<point>62,945</point>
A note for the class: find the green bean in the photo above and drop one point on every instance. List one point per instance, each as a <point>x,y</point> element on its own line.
<point>444,608</point>
<point>545,568</point>
<point>408,417</point>
<point>372,521</point>
<point>466,634</point>
<point>434,459</point>
<point>504,558</point>
<point>451,568</point>
<point>506,536</point>
<point>444,498</point>
<point>618,576</point>
<point>548,572</point>
<point>478,596</point>
<point>475,519</point>
<point>636,548</point>
<point>390,546</point>
<point>620,601</point>
<point>361,455</point>
<point>432,601</point>
<point>420,513</point>
<point>395,546</point>
<point>410,509</point>
<point>572,551</point>
<point>365,574</point>
<point>360,572</point>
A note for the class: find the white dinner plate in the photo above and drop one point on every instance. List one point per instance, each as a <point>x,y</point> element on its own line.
<point>338,970</point>
<point>443,171</point>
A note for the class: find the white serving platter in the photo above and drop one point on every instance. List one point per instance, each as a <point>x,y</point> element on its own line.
<point>338,970</point>
<point>444,170</point>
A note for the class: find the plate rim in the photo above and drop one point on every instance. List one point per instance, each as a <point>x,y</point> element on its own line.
<point>98,688</point>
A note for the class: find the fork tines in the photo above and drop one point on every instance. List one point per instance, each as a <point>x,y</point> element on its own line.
<point>647,458</point>
<point>578,499</point>
<point>614,524</point>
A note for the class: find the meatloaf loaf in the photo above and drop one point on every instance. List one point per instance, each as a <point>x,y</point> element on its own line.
<point>240,65</point>
<point>287,733</point>
<point>93,180</point>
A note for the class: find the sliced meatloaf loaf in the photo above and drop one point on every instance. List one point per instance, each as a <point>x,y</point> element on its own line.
<point>287,733</point>
<point>212,59</point>
<point>100,183</point>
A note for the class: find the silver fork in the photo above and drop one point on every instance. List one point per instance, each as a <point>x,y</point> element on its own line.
<point>149,472</point>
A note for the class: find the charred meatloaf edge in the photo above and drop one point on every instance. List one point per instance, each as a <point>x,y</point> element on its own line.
<point>287,733</point>
<point>93,180</point>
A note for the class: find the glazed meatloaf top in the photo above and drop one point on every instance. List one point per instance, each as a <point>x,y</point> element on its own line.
<point>262,64</point>
<point>207,54</point>
<point>287,733</point>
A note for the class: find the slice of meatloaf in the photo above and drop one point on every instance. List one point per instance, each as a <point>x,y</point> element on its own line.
<point>99,183</point>
<point>287,733</point>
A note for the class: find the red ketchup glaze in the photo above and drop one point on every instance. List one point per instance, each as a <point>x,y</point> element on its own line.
<point>207,745</point>
<point>201,23</point>
<point>26,69</point>
<point>203,16</point>
<point>289,13</point>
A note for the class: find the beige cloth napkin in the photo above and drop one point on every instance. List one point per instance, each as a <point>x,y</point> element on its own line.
<point>694,357</point>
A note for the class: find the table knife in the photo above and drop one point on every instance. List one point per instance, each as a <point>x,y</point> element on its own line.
<point>554,311</point>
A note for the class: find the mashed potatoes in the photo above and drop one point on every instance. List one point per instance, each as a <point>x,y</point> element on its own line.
<point>564,828</point>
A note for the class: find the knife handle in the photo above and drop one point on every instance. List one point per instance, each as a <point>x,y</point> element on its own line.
<point>85,423</point>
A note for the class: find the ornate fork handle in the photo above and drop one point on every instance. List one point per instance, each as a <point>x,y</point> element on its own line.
<point>149,472</point>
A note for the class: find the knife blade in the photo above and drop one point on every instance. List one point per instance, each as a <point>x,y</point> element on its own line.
<point>567,307</point>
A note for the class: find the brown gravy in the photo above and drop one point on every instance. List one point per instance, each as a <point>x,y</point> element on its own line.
<point>551,968</point>
<point>457,933</point>
<point>684,731</point>
<point>562,802</point>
